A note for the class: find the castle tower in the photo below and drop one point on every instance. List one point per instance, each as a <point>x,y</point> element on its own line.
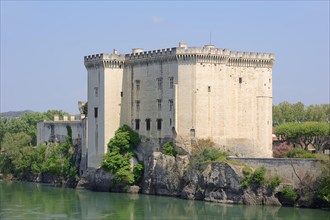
<point>105,74</point>
<point>181,94</point>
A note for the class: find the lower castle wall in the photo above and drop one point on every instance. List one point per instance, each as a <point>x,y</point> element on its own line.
<point>285,168</point>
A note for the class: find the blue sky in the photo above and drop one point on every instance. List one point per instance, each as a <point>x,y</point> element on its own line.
<point>43,43</point>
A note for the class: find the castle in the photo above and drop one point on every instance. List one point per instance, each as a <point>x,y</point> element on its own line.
<point>180,94</point>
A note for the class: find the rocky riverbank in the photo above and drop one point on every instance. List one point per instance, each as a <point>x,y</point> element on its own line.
<point>173,176</point>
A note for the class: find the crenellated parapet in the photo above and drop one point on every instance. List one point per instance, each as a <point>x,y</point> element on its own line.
<point>140,56</point>
<point>250,59</point>
<point>182,54</point>
<point>104,60</point>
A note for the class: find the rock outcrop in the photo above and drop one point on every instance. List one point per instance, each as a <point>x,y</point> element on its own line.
<point>215,182</point>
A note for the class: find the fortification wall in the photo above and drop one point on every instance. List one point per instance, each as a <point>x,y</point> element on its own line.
<point>286,168</point>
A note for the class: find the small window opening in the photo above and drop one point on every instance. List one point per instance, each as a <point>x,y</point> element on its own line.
<point>171,104</point>
<point>148,124</point>
<point>159,124</point>
<point>121,94</point>
<point>159,102</point>
<point>160,83</point>
<point>170,121</point>
<point>137,124</point>
<point>209,88</point>
<point>240,79</point>
<point>171,82</point>
<point>95,112</point>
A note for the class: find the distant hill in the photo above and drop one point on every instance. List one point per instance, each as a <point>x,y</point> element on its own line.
<point>14,114</point>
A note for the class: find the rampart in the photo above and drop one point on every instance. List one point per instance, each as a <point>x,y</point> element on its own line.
<point>206,54</point>
<point>288,169</point>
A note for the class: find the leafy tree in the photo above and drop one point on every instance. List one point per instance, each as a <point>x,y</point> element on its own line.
<point>304,134</point>
<point>116,160</point>
<point>13,141</point>
<point>298,112</point>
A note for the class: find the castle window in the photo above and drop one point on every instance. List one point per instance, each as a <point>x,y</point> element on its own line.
<point>240,80</point>
<point>160,83</point>
<point>209,88</point>
<point>137,124</point>
<point>159,124</point>
<point>159,102</point>
<point>148,124</point>
<point>137,103</point>
<point>96,91</point>
<point>170,121</point>
<point>95,112</point>
<point>121,94</point>
<point>137,83</point>
<point>171,104</point>
<point>171,82</point>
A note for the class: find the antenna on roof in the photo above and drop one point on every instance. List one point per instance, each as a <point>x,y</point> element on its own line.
<point>210,37</point>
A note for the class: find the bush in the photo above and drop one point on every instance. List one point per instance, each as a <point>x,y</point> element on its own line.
<point>289,193</point>
<point>275,182</point>
<point>256,178</point>
<point>168,149</point>
<point>138,173</point>
<point>300,153</point>
<point>116,160</point>
<point>282,150</point>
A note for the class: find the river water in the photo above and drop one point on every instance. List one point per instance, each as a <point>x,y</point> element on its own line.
<point>20,200</point>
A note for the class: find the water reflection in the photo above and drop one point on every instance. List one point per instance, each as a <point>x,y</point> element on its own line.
<point>38,201</point>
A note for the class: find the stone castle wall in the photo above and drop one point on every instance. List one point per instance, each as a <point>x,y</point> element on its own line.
<point>184,91</point>
<point>286,168</point>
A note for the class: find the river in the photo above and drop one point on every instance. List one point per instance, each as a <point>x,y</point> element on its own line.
<point>20,200</point>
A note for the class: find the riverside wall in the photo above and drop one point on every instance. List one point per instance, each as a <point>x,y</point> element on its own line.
<point>293,171</point>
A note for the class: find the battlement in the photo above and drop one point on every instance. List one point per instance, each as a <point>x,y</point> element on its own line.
<point>208,53</point>
<point>105,60</point>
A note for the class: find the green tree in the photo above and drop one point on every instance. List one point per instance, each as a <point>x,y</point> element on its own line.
<point>316,113</point>
<point>304,134</point>
<point>116,160</point>
<point>298,112</point>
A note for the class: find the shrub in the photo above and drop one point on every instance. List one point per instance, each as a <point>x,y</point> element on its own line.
<point>168,149</point>
<point>256,178</point>
<point>116,160</point>
<point>138,173</point>
<point>289,193</point>
<point>282,150</point>
<point>300,153</point>
<point>275,182</point>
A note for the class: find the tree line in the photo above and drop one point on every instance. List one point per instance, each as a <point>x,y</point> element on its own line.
<point>298,112</point>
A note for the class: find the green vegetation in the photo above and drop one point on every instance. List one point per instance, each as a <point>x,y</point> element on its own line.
<point>20,157</point>
<point>116,160</point>
<point>168,149</point>
<point>258,178</point>
<point>323,186</point>
<point>300,153</point>
<point>289,193</point>
<point>304,134</point>
<point>298,112</point>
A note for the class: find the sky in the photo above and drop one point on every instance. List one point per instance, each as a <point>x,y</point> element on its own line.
<point>43,43</point>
